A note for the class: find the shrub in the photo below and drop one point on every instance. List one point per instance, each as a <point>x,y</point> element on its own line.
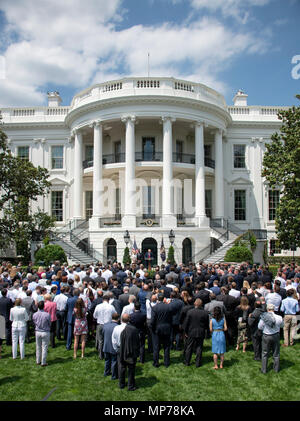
<point>277,260</point>
<point>171,257</point>
<point>239,253</point>
<point>126,257</point>
<point>50,253</point>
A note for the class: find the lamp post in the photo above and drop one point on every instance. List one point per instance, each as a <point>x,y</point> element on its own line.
<point>172,237</point>
<point>126,237</point>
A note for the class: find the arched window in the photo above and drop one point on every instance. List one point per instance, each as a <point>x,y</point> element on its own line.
<point>186,251</point>
<point>111,249</point>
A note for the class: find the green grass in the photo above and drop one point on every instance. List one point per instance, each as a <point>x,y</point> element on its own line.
<point>83,380</point>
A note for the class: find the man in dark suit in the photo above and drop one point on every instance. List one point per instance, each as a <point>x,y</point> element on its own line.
<point>128,353</point>
<point>230,303</point>
<point>138,319</point>
<point>161,324</point>
<point>5,305</point>
<point>166,290</point>
<point>124,298</point>
<point>176,336</point>
<point>115,303</point>
<point>195,325</point>
<point>70,317</point>
<point>110,355</point>
<point>202,293</point>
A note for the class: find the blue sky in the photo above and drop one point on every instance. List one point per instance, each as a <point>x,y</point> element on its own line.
<point>225,44</point>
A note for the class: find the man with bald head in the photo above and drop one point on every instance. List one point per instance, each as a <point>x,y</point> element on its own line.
<point>194,326</point>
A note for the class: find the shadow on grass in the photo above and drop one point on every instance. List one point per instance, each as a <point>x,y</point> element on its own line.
<point>11,379</point>
<point>284,364</point>
<point>144,382</point>
<point>59,360</point>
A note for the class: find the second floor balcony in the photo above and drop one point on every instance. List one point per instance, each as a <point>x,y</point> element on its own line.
<point>150,157</point>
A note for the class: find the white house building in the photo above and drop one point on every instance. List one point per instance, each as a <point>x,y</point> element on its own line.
<point>147,156</point>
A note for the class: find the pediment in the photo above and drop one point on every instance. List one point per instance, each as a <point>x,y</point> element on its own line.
<point>242,180</point>
<point>58,180</point>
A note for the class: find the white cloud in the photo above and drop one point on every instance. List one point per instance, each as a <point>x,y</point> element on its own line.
<point>239,9</point>
<point>76,44</point>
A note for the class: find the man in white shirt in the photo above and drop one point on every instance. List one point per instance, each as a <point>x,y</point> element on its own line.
<point>233,291</point>
<point>130,307</point>
<point>106,274</point>
<point>270,324</point>
<point>141,272</point>
<point>61,304</point>
<point>274,298</point>
<point>116,335</point>
<point>103,314</point>
<point>43,280</point>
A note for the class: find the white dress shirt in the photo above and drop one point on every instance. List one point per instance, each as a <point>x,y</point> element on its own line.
<point>268,330</point>
<point>274,298</point>
<point>116,336</point>
<point>106,275</point>
<point>234,293</point>
<point>18,316</point>
<point>128,309</point>
<point>103,313</point>
<point>61,301</point>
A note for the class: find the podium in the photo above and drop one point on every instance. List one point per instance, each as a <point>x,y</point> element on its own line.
<point>149,259</point>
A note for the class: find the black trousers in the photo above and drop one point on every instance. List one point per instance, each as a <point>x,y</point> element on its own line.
<point>61,324</point>
<point>256,342</point>
<point>142,337</point>
<point>122,365</point>
<point>165,341</point>
<point>8,324</point>
<point>52,334</point>
<point>194,343</point>
<point>149,337</point>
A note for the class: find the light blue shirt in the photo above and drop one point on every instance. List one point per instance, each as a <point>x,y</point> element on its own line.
<point>268,330</point>
<point>289,306</point>
<point>274,298</point>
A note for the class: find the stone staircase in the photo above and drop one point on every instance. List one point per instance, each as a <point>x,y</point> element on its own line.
<point>69,236</point>
<point>219,254</point>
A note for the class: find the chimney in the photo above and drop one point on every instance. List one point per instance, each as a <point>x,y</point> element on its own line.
<point>240,99</point>
<point>54,99</point>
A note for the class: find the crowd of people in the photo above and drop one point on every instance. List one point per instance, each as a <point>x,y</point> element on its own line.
<point>124,309</point>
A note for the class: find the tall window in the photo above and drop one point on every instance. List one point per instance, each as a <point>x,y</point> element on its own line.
<point>273,203</point>
<point>274,247</point>
<point>239,156</point>
<point>148,148</point>
<point>117,150</point>
<point>148,202</point>
<point>207,151</point>
<point>88,204</point>
<point>208,203</point>
<point>23,152</point>
<point>118,204</point>
<point>89,152</point>
<point>57,205</point>
<point>240,205</point>
<point>57,154</point>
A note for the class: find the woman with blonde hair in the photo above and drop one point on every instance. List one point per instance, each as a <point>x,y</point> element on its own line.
<point>19,317</point>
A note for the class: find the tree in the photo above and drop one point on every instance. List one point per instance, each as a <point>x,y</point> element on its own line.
<point>21,184</point>
<point>126,257</point>
<point>171,257</point>
<point>281,169</point>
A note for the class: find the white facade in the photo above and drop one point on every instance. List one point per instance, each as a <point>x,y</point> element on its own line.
<point>119,155</point>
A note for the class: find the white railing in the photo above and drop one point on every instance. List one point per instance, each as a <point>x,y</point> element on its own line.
<point>23,112</point>
<point>148,83</point>
<point>253,111</point>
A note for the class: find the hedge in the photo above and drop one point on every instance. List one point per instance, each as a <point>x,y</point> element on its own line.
<point>239,254</point>
<point>49,254</point>
<point>277,260</point>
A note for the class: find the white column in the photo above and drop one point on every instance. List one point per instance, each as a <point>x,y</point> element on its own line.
<point>97,174</point>
<point>200,215</point>
<point>219,175</point>
<point>129,218</point>
<point>78,173</point>
<point>168,217</point>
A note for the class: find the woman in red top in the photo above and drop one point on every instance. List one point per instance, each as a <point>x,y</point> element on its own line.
<point>80,326</point>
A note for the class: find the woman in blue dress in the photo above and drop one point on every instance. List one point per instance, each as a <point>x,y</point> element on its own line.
<point>217,328</point>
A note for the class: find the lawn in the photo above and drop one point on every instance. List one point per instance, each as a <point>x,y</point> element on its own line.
<point>83,380</point>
